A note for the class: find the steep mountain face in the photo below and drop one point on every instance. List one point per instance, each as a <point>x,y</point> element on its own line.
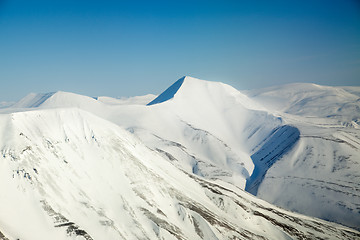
<point>181,168</point>
<point>279,142</point>
<point>308,142</point>
<point>67,174</point>
<point>217,127</point>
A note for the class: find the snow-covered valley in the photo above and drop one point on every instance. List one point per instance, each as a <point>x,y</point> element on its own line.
<point>182,165</point>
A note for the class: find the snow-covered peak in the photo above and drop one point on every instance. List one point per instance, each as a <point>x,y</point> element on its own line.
<point>311,100</point>
<point>171,91</point>
<point>67,99</point>
<point>58,99</point>
<point>189,90</point>
<point>168,93</point>
<point>53,99</point>
<point>33,100</point>
<point>294,91</point>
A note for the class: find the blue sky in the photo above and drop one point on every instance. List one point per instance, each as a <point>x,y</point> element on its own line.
<point>128,48</point>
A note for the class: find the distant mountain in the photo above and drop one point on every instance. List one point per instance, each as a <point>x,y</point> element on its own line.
<point>324,165</point>
<point>182,168</point>
<point>311,100</point>
<point>33,100</point>
<point>57,100</point>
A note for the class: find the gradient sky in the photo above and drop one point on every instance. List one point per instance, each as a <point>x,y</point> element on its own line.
<point>128,48</point>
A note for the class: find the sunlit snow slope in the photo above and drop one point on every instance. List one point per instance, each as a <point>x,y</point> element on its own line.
<point>67,174</point>
<point>206,141</point>
<point>324,165</point>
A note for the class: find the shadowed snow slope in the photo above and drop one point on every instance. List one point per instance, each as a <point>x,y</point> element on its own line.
<point>205,139</point>
<point>33,100</point>
<point>279,142</point>
<point>67,174</point>
<point>168,93</point>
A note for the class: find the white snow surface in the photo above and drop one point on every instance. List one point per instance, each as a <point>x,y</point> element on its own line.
<point>311,100</point>
<point>324,165</point>
<point>138,100</point>
<point>70,169</point>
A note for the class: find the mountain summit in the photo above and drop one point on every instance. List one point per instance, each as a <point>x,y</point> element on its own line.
<point>169,92</point>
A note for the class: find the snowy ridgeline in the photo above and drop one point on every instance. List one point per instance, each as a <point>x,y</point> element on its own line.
<point>70,170</point>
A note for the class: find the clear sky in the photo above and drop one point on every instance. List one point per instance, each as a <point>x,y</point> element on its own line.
<point>128,48</point>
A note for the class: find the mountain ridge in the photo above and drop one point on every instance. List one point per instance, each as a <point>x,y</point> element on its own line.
<point>213,132</point>
<point>56,173</point>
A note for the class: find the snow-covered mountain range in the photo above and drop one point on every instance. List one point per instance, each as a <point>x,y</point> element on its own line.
<point>195,162</point>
